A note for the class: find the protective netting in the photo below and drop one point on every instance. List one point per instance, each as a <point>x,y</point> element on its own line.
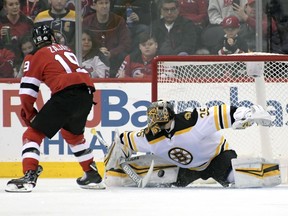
<point>197,81</point>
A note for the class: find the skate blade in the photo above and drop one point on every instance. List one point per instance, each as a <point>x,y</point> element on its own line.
<point>12,188</point>
<point>94,186</point>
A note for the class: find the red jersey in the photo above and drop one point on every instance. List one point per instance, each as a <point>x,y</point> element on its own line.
<point>6,63</point>
<point>55,65</point>
<point>22,27</point>
<point>195,10</point>
<point>136,63</point>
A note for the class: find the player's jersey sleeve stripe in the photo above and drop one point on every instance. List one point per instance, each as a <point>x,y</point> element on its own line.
<point>31,80</point>
<point>126,138</point>
<point>28,92</point>
<point>220,117</point>
<point>29,86</point>
<point>216,119</point>
<point>129,140</point>
<point>133,143</point>
<point>226,124</point>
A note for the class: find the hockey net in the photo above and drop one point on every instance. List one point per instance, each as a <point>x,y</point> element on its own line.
<point>195,81</point>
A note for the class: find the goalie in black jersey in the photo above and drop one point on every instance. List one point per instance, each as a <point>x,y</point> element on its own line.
<point>189,146</point>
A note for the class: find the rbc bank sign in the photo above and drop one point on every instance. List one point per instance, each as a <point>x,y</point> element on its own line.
<point>119,107</point>
<point>136,118</point>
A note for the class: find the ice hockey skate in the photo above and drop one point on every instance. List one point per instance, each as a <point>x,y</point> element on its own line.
<point>25,183</point>
<point>245,117</point>
<point>91,179</point>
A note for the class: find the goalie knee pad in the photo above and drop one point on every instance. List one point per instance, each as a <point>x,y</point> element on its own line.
<point>256,172</point>
<point>245,117</point>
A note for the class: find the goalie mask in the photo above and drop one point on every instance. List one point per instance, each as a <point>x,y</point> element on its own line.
<point>43,34</point>
<point>159,113</point>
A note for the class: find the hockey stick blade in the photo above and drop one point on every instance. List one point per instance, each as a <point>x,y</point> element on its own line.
<point>94,132</point>
<point>141,182</point>
<point>146,178</point>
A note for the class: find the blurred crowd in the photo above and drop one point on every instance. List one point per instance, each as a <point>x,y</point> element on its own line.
<point>121,37</point>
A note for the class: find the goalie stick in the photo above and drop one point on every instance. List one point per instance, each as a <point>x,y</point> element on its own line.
<point>140,181</point>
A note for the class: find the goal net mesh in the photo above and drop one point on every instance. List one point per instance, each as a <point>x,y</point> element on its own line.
<point>197,81</point>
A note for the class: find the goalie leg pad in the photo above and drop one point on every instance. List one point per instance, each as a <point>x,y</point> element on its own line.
<point>256,172</point>
<point>116,152</point>
<point>163,175</point>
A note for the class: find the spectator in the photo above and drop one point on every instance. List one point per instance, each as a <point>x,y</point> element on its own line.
<point>32,7</point>
<point>217,11</point>
<point>93,60</point>
<point>26,47</point>
<point>141,15</point>
<point>7,58</point>
<point>231,43</point>
<point>87,7</point>
<point>60,19</point>
<point>138,64</point>
<point>248,14</point>
<point>175,34</point>
<point>13,26</point>
<point>197,12</point>
<point>110,32</point>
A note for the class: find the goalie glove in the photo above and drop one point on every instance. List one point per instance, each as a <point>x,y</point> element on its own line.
<point>245,117</point>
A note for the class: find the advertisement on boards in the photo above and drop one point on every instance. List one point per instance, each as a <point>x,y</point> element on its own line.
<point>121,106</point>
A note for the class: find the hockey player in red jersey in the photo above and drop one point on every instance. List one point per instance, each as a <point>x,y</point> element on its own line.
<point>67,110</point>
<point>188,146</point>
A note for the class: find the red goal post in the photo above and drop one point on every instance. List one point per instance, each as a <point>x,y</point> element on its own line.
<point>194,81</point>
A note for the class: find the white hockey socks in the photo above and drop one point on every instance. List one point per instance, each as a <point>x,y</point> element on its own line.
<point>245,117</point>
<point>256,172</point>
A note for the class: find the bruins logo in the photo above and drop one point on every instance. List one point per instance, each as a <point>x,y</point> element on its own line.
<point>187,115</point>
<point>181,156</point>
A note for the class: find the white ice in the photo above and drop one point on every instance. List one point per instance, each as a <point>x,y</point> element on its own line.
<point>63,197</point>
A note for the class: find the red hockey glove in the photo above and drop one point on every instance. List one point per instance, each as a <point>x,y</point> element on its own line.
<point>28,119</point>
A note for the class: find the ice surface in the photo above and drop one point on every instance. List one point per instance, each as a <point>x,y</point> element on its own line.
<point>63,197</point>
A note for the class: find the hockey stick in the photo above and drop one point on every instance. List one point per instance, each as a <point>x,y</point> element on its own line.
<point>140,181</point>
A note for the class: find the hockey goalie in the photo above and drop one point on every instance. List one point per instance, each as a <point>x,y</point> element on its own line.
<point>188,146</point>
